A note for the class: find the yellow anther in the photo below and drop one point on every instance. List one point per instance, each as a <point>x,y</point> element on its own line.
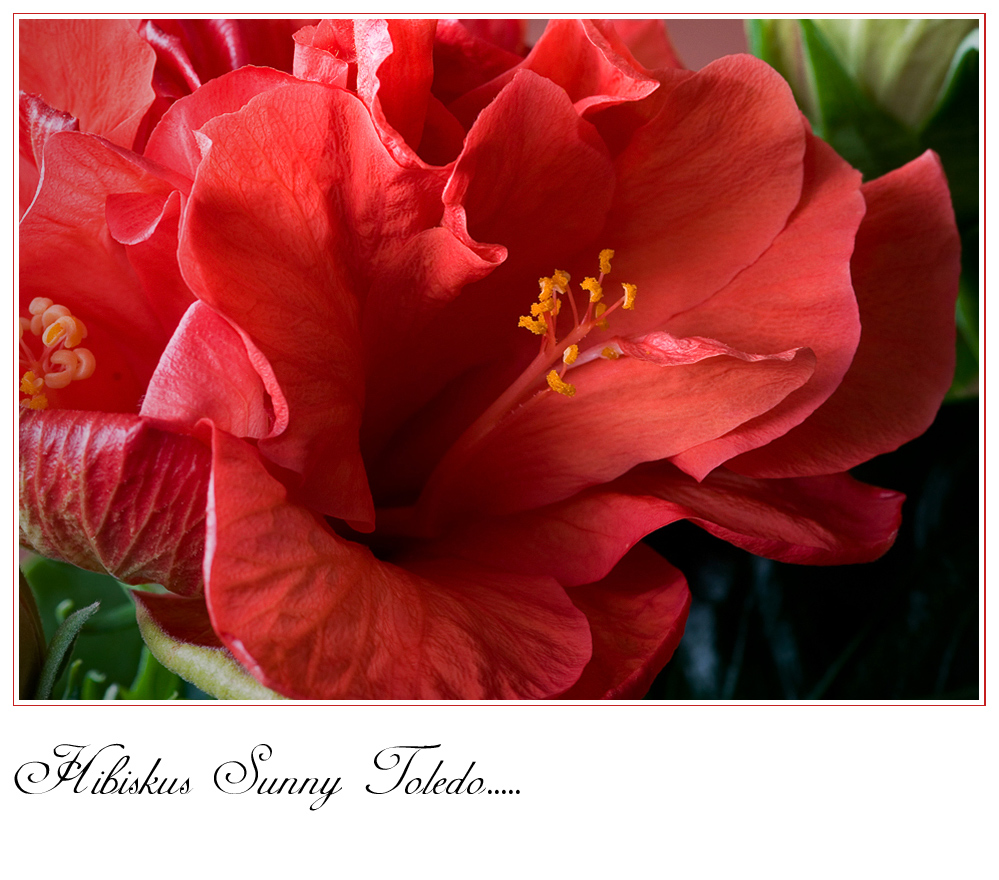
<point>561,280</point>
<point>610,353</point>
<point>629,295</point>
<point>30,383</point>
<point>39,304</point>
<point>71,330</point>
<point>595,290</point>
<point>537,327</point>
<point>606,255</point>
<point>547,289</point>
<point>39,401</point>
<point>542,307</point>
<point>556,384</point>
<point>570,354</point>
<point>597,312</point>
<point>53,314</point>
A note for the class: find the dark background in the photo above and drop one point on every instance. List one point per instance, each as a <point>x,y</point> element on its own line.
<point>905,627</point>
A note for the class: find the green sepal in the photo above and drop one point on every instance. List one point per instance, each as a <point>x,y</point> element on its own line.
<point>863,134</point>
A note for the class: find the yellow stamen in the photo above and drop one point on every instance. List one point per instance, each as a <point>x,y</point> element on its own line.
<point>30,383</point>
<point>561,280</point>
<point>60,361</point>
<point>629,295</point>
<point>597,312</point>
<point>556,384</point>
<point>547,289</point>
<point>537,327</point>
<point>606,256</point>
<point>570,354</point>
<point>594,288</point>
<point>610,353</point>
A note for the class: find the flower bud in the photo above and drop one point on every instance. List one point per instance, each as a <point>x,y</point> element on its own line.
<point>900,64</point>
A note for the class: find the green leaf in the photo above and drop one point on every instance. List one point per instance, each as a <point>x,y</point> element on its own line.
<point>61,648</point>
<point>110,641</point>
<point>866,136</point>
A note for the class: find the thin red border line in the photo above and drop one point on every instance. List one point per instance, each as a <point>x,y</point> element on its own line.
<point>984,482</point>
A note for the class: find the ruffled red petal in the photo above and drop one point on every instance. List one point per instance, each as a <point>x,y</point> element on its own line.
<point>312,615</point>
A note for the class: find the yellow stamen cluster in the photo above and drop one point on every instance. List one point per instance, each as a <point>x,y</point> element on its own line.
<point>542,321</point>
<point>556,384</point>
<point>62,361</point>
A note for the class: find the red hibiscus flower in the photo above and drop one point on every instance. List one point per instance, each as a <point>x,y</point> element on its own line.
<point>374,456</point>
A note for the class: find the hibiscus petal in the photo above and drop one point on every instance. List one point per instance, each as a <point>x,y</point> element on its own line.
<point>174,141</point>
<point>179,634</point>
<point>648,41</point>
<point>798,293</point>
<point>705,187</point>
<point>464,58</point>
<point>394,73</point>
<point>905,272</point>
<point>206,372</point>
<point>592,67</point>
<point>281,258</point>
<point>100,71</point>
<point>637,615</point>
<point>110,493</point>
<point>37,121</point>
<point>315,616</point>
<point>830,520</point>
<point>68,255</point>
<point>624,412</point>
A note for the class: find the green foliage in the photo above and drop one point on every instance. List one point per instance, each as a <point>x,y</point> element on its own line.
<point>95,653</point>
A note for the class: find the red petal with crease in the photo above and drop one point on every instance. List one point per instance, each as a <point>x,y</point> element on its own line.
<point>905,272</point>
<point>624,412</point>
<point>705,187</point>
<point>636,615</point>
<point>593,68</point>
<point>798,293</point>
<point>831,520</point>
<point>315,616</point>
<point>111,493</point>
<point>301,259</point>
<point>394,73</point>
<point>174,142</point>
<point>206,373</point>
<point>100,71</point>
<point>37,121</point>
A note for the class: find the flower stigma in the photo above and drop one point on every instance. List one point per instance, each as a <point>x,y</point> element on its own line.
<point>61,361</point>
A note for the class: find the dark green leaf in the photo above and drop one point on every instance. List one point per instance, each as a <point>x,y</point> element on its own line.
<point>61,648</point>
